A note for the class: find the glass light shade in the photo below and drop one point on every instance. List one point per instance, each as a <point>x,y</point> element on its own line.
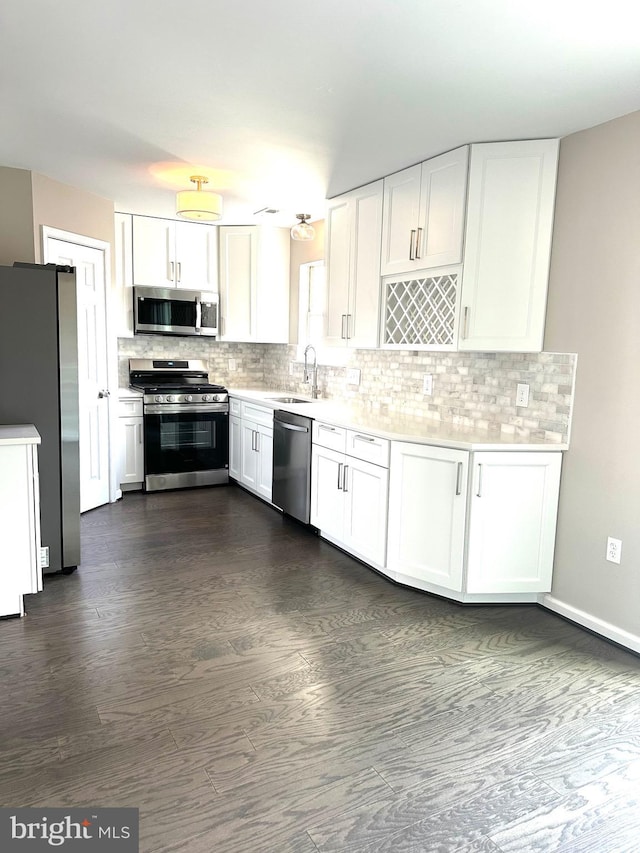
<point>198,204</point>
<point>303,231</point>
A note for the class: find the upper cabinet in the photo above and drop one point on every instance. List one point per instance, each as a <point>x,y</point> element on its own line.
<point>167,253</point>
<point>508,245</point>
<point>424,210</point>
<point>353,229</point>
<point>254,283</point>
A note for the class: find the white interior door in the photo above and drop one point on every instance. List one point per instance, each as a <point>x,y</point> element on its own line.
<point>92,365</point>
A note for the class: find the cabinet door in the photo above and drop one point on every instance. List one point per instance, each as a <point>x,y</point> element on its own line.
<point>364,279</point>
<point>327,495</point>
<point>337,247</point>
<point>508,245</point>
<point>264,473</point>
<point>248,455</point>
<point>123,274</point>
<point>238,276</point>
<point>513,522</point>
<point>400,221</point>
<point>443,195</point>
<point>196,256</point>
<point>154,261</point>
<point>427,512</point>
<point>235,447</point>
<point>132,440</point>
<point>366,488</point>
<point>272,286</point>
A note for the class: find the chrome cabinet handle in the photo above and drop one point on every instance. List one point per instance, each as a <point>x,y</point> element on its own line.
<point>344,479</point>
<point>418,242</point>
<point>479,492</point>
<point>465,322</point>
<point>458,478</point>
<point>103,393</point>
<point>340,467</point>
<point>364,438</point>
<point>179,266</point>
<point>171,270</point>
<point>257,442</point>
<point>139,433</point>
<point>412,256</point>
<point>343,334</point>
<point>328,428</point>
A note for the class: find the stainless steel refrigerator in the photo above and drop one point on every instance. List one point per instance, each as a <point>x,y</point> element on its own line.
<point>39,385</point>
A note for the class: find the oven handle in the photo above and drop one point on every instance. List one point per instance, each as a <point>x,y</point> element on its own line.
<point>220,408</point>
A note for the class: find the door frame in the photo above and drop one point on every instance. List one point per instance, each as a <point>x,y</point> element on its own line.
<point>47,232</point>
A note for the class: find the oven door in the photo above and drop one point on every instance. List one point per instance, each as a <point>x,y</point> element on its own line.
<point>185,446</point>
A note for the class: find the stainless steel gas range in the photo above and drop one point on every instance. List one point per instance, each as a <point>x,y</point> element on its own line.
<point>186,424</point>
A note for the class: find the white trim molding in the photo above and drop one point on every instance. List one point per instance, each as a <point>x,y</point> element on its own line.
<point>592,623</point>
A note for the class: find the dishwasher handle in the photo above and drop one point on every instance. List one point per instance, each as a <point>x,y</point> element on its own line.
<point>292,427</point>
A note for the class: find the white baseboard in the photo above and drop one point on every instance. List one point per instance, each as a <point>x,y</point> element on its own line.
<point>599,626</point>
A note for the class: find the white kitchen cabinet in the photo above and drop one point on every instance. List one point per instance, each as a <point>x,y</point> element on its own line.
<point>427,514</point>
<point>499,506</point>
<point>123,275</point>
<point>424,210</point>
<point>254,283</point>
<point>508,245</point>
<point>20,568</point>
<point>349,495</point>
<point>514,503</point>
<point>352,253</point>
<point>167,253</point>
<point>251,447</point>
<point>131,428</point>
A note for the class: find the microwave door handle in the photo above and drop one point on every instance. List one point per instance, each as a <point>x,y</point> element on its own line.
<point>198,313</point>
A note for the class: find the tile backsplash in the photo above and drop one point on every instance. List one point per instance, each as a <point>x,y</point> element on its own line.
<point>476,390</point>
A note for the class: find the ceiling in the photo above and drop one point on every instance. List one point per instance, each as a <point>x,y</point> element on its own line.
<point>285,103</point>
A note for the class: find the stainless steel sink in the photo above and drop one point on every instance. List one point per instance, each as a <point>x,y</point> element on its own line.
<point>288,400</point>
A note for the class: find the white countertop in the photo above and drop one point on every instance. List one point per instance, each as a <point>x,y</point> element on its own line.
<point>125,393</point>
<point>396,426</point>
<point>19,434</point>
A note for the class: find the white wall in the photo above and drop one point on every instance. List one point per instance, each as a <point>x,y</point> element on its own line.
<point>594,310</point>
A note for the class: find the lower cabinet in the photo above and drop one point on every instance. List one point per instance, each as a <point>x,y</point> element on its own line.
<point>480,526</point>
<point>349,495</point>
<point>20,567</point>
<point>427,514</point>
<point>251,447</point>
<point>131,427</point>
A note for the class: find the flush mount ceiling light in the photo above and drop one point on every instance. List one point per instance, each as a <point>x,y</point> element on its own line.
<point>302,230</point>
<point>198,204</point>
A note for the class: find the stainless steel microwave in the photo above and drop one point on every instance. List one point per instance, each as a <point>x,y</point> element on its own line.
<point>171,311</point>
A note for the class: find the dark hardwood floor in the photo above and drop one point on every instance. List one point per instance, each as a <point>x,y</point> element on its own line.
<point>252,689</point>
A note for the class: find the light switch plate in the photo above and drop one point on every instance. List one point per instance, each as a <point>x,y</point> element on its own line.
<point>353,376</point>
<point>427,383</point>
<point>522,394</point>
<point>232,364</point>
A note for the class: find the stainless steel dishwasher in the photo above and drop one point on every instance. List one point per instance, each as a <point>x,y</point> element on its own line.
<point>292,464</point>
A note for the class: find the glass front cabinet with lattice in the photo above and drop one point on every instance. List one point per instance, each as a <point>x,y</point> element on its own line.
<point>495,299</point>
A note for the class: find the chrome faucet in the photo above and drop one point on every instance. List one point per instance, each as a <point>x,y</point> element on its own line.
<point>311,372</point>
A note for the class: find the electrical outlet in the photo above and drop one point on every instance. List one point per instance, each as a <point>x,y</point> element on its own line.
<point>427,383</point>
<point>232,364</point>
<point>614,550</point>
<point>353,376</point>
<point>522,394</point>
<point>44,557</point>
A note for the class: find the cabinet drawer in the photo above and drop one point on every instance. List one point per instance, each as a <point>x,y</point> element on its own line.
<point>329,436</point>
<point>369,448</point>
<point>235,407</point>
<point>259,414</point>
<point>129,408</point>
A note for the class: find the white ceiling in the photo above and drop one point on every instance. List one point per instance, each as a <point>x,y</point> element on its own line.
<point>295,101</point>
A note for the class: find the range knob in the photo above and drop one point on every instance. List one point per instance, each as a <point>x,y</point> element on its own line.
<point>171,398</point>
<point>217,397</point>
<point>206,398</point>
<point>188,398</point>
<point>158,398</point>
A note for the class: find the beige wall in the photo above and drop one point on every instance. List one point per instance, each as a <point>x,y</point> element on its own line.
<point>70,209</point>
<point>16,216</point>
<point>302,252</point>
<point>594,310</point>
